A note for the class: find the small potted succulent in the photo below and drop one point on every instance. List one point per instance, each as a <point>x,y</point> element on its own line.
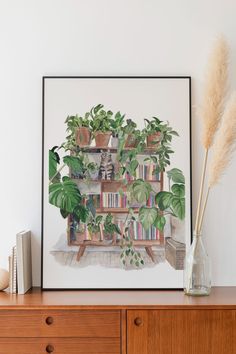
<point>101,125</point>
<point>116,126</point>
<point>133,135</point>
<point>94,227</point>
<point>92,171</point>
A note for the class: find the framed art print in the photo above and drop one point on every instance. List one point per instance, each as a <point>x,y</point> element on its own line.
<point>116,210</point>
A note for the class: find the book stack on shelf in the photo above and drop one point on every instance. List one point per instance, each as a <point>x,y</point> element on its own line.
<point>139,233</point>
<point>146,172</point>
<point>20,264</point>
<point>113,200</point>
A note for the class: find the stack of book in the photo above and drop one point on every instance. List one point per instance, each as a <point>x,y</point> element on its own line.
<point>113,200</point>
<point>146,172</point>
<point>20,267</point>
<point>139,233</point>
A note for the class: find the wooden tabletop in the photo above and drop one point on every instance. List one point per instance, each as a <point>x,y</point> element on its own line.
<point>220,297</point>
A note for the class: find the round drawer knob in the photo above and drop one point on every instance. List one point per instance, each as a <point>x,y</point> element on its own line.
<point>138,321</point>
<point>49,348</point>
<point>49,320</point>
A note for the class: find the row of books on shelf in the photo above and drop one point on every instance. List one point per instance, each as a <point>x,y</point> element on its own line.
<point>116,200</point>
<point>136,231</point>
<point>146,172</point>
<point>20,264</point>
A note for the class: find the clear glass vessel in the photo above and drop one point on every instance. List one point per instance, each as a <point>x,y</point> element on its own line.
<point>197,269</point>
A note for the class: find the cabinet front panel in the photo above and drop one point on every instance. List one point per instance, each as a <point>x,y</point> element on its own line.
<point>59,346</point>
<point>181,331</point>
<point>60,323</point>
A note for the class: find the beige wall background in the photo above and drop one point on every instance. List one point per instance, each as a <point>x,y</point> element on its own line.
<point>106,37</point>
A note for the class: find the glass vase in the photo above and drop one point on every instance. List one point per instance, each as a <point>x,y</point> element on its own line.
<point>197,269</point>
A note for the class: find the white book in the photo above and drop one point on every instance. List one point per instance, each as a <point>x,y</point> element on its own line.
<point>14,270</point>
<point>10,258</point>
<point>24,262</point>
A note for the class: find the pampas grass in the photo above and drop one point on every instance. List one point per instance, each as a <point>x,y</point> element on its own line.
<point>214,91</point>
<point>213,101</point>
<point>223,148</point>
<point>225,142</point>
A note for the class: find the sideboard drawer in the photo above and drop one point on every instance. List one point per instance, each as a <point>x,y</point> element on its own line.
<point>59,345</point>
<point>60,323</point>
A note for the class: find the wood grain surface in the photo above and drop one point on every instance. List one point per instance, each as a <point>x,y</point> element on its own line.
<point>60,345</point>
<point>181,331</point>
<point>63,323</point>
<point>220,297</point>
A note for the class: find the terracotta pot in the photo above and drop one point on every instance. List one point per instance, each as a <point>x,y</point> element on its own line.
<point>83,136</point>
<point>96,236</point>
<point>153,139</point>
<point>102,139</point>
<point>80,236</point>
<point>131,141</point>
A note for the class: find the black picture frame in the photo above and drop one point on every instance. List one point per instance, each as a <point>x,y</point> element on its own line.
<point>44,79</point>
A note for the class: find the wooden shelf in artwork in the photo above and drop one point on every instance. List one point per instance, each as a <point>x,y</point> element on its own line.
<point>97,149</point>
<point>115,210</point>
<point>104,181</point>
<point>104,243</point>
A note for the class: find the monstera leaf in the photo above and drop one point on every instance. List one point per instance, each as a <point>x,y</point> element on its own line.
<point>178,206</point>
<point>147,216</point>
<point>141,190</point>
<point>64,195</point>
<point>178,190</point>
<point>163,200</point>
<point>54,160</point>
<point>81,213</point>
<point>74,163</point>
<point>160,222</point>
<point>176,175</point>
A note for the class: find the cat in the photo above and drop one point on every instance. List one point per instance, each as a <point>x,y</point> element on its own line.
<point>106,170</point>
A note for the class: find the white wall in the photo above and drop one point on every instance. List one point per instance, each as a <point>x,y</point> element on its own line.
<point>105,37</point>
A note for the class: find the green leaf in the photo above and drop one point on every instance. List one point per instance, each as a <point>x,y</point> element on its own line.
<point>147,216</point>
<point>74,163</point>
<point>141,190</point>
<point>163,200</point>
<point>133,165</point>
<point>160,222</point>
<point>64,195</point>
<point>178,206</point>
<point>64,213</point>
<point>54,160</point>
<point>178,190</point>
<point>176,175</point>
<point>81,213</point>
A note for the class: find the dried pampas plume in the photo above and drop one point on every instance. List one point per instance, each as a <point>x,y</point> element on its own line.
<point>214,92</point>
<point>225,142</point>
<point>223,148</point>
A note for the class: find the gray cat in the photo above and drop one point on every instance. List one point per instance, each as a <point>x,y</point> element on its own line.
<point>106,170</point>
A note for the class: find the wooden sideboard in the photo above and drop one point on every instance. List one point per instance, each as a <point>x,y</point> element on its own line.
<point>112,322</point>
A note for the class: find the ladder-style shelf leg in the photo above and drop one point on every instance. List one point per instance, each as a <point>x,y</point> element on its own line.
<point>80,253</point>
<point>150,253</point>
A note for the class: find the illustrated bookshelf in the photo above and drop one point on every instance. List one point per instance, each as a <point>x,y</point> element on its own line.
<point>107,199</point>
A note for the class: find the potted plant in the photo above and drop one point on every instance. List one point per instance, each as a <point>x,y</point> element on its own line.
<point>110,228</point>
<point>133,135</point>
<point>157,130</point>
<point>93,226</point>
<point>101,125</point>
<point>116,126</point>
<point>78,127</point>
<point>153,131</point>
